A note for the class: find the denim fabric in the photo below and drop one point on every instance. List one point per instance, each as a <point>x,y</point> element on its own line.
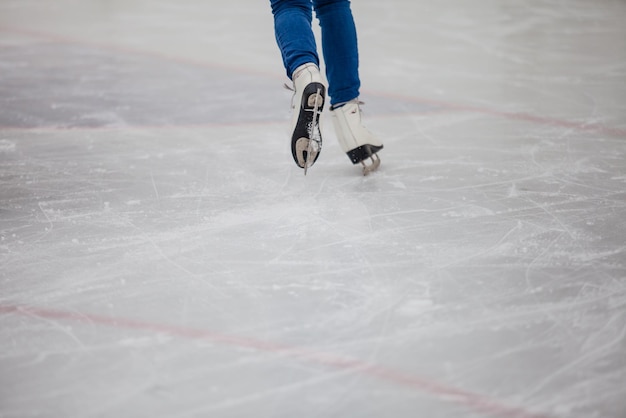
<point>292,26</point>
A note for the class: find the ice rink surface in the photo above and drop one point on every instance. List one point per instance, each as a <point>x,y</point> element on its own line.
<point>161,255</point>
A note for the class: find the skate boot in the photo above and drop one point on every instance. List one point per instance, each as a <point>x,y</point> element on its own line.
<point>355,140</point>
<point>308,102</point>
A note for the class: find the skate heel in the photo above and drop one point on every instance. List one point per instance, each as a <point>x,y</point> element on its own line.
<point>364,153</point>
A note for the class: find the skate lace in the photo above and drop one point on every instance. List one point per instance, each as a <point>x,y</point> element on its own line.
<point>293,96</point>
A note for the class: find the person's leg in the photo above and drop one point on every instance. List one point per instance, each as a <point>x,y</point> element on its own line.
<point>294,35</point>
<point>292,27</point>
<point>340,49</point>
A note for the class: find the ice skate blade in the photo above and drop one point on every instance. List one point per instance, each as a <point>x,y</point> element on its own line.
<point>371,167</point>
<point>306,152</point>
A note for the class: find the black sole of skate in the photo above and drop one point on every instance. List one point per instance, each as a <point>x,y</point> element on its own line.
<point>307,126</point>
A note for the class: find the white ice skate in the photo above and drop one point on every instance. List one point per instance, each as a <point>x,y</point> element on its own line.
<point>355,140</point>
<point>308,102</point>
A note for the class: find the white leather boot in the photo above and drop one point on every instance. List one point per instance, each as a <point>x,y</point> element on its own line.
<point>308,102</point>
<point>355,140</point>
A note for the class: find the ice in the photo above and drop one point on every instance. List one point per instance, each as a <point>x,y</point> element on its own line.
<point>161,255</point>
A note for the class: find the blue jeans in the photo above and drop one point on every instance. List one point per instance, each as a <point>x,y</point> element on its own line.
<point>292,25</point>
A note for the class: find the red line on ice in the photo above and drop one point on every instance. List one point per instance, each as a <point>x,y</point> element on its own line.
<point>471,400</point>
<point>521,116</point>
<point>541,120</point>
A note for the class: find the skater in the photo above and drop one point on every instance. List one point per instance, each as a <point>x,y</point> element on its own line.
<point>294,35</point>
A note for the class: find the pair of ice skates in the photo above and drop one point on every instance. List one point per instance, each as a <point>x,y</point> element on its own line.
<point>306,142</point>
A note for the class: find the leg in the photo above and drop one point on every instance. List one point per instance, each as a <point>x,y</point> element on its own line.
<point>339,43</point>
<point>292,27</point>
<point>339,46</point>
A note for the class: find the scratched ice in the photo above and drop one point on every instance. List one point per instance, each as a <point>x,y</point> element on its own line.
<point>162,256</point>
